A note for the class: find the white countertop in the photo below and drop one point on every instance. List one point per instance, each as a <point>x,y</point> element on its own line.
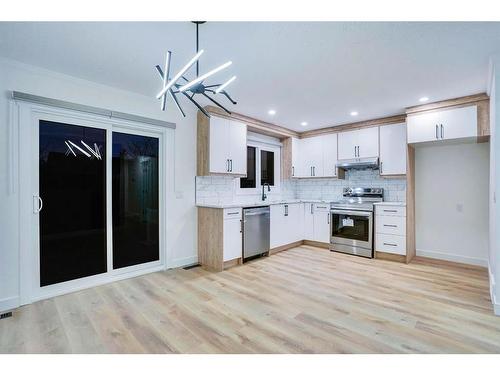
<point>399,204</point>
<point>258,204</point>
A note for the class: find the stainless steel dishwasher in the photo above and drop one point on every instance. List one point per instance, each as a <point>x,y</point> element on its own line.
<point>256,223</point>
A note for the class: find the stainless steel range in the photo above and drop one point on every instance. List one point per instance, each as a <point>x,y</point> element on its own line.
<point>351,229</point>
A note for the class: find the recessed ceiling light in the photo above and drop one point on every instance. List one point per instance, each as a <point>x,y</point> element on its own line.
<point>303,123</point>
<point>423,99</point>
<point>354,113</point>
<point>272,112</point>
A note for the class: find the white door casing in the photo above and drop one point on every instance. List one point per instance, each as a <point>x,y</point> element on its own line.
<point>28,117</point>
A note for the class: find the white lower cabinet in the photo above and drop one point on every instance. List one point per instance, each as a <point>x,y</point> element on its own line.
<point>321,223</point>
<point>390,229</point>
<point>309,221</point>
<point>286,224</point>
<point>232,236</point>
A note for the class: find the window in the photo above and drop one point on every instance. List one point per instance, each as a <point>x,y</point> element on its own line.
<point>250,180</point>
<point>266,167</point>
<point>263,167</point>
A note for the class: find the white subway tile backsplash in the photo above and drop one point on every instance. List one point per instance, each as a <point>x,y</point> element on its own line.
<point>221,189</point>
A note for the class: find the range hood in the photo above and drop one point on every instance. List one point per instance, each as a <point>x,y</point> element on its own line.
<point>358,163</point>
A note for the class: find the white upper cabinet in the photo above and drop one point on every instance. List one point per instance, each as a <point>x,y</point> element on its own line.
<point>348,143</point>
<point>311,152</point>
<point>459,123</point>
<point>315,156</point>
<point>329,155</point>
<point>296,166</point>
<point>228,146</point>
<point>393,149</point>
<point>448,124</point>
<point>362,143</point>
<point>219,135</point>
<point>368,142</point>
<point>238,147</point>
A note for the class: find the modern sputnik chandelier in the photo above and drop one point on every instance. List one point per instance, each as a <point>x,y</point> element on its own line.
<point>171,87</point>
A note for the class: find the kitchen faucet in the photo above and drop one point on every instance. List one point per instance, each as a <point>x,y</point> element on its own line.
<point>264,196</point>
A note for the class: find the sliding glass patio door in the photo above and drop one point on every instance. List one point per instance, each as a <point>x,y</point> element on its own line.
<point>98,200</point>
<point>135,199</point>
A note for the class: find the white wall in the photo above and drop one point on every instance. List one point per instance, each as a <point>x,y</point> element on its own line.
<point>494,205</point>
<point>181,233</point>
<point>451,200</point>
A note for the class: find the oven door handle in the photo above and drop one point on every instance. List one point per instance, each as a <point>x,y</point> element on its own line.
<point>352,213</point>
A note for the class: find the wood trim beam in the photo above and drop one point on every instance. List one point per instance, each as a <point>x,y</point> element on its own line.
<point>255,125</point>
<point>464,100</point>
<point>355,125</point>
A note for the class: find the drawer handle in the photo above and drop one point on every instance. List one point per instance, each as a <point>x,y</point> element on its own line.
<point>233,213</point>
<point>320,206</point>
<point>390,244</point>
<point>390,225</point>
<point>390,210</point>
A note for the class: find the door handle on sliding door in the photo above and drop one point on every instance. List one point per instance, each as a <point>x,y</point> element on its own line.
<point>37,203</point>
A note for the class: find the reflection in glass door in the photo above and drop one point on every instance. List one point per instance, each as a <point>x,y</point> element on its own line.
<point>135,198</point>
<point>72,187</point>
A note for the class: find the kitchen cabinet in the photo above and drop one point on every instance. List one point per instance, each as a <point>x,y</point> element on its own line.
<point>393,149</point>
<point>222,147</point>
<point>286,224</point>
<point>232,234</point>
<point>309,221</point>
<point>330,155</point>
<point>315,157</point>
<point>311,153</point>
<point>296,167</point>
<point>390,230</point>
<point>449,124</point>
<point>321,222</point>
<point>361,143</point>
<point>220,240</point>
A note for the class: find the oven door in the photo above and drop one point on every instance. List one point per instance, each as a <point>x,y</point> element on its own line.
<point>352,229</point>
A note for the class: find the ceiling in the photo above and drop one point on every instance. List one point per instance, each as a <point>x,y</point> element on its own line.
<point>307,71</point>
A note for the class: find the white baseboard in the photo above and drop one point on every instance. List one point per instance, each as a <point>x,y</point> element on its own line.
<point>453,257</point>
<point>496,307</point>
<point>9,303</point>
<point>183,262</point>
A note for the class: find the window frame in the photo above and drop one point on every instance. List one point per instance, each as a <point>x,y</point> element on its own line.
<point>276,189</point>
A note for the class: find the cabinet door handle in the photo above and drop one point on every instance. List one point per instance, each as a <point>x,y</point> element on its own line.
<point>437,137</point>
<point>390,225</point>
<point>231,165</point>
<point>381,169</point>
<point>355,153</point>
<point>241,226</point>
<point>312,205</point>
<point>311,171</point>
<point>314,171</point>
<point>328,218</point>
<point>390,210</point>
<point>227,165</point>
<point>286,209</point>
<point>293,171</point>
<point>390,244</point>
<point>442,131</point>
